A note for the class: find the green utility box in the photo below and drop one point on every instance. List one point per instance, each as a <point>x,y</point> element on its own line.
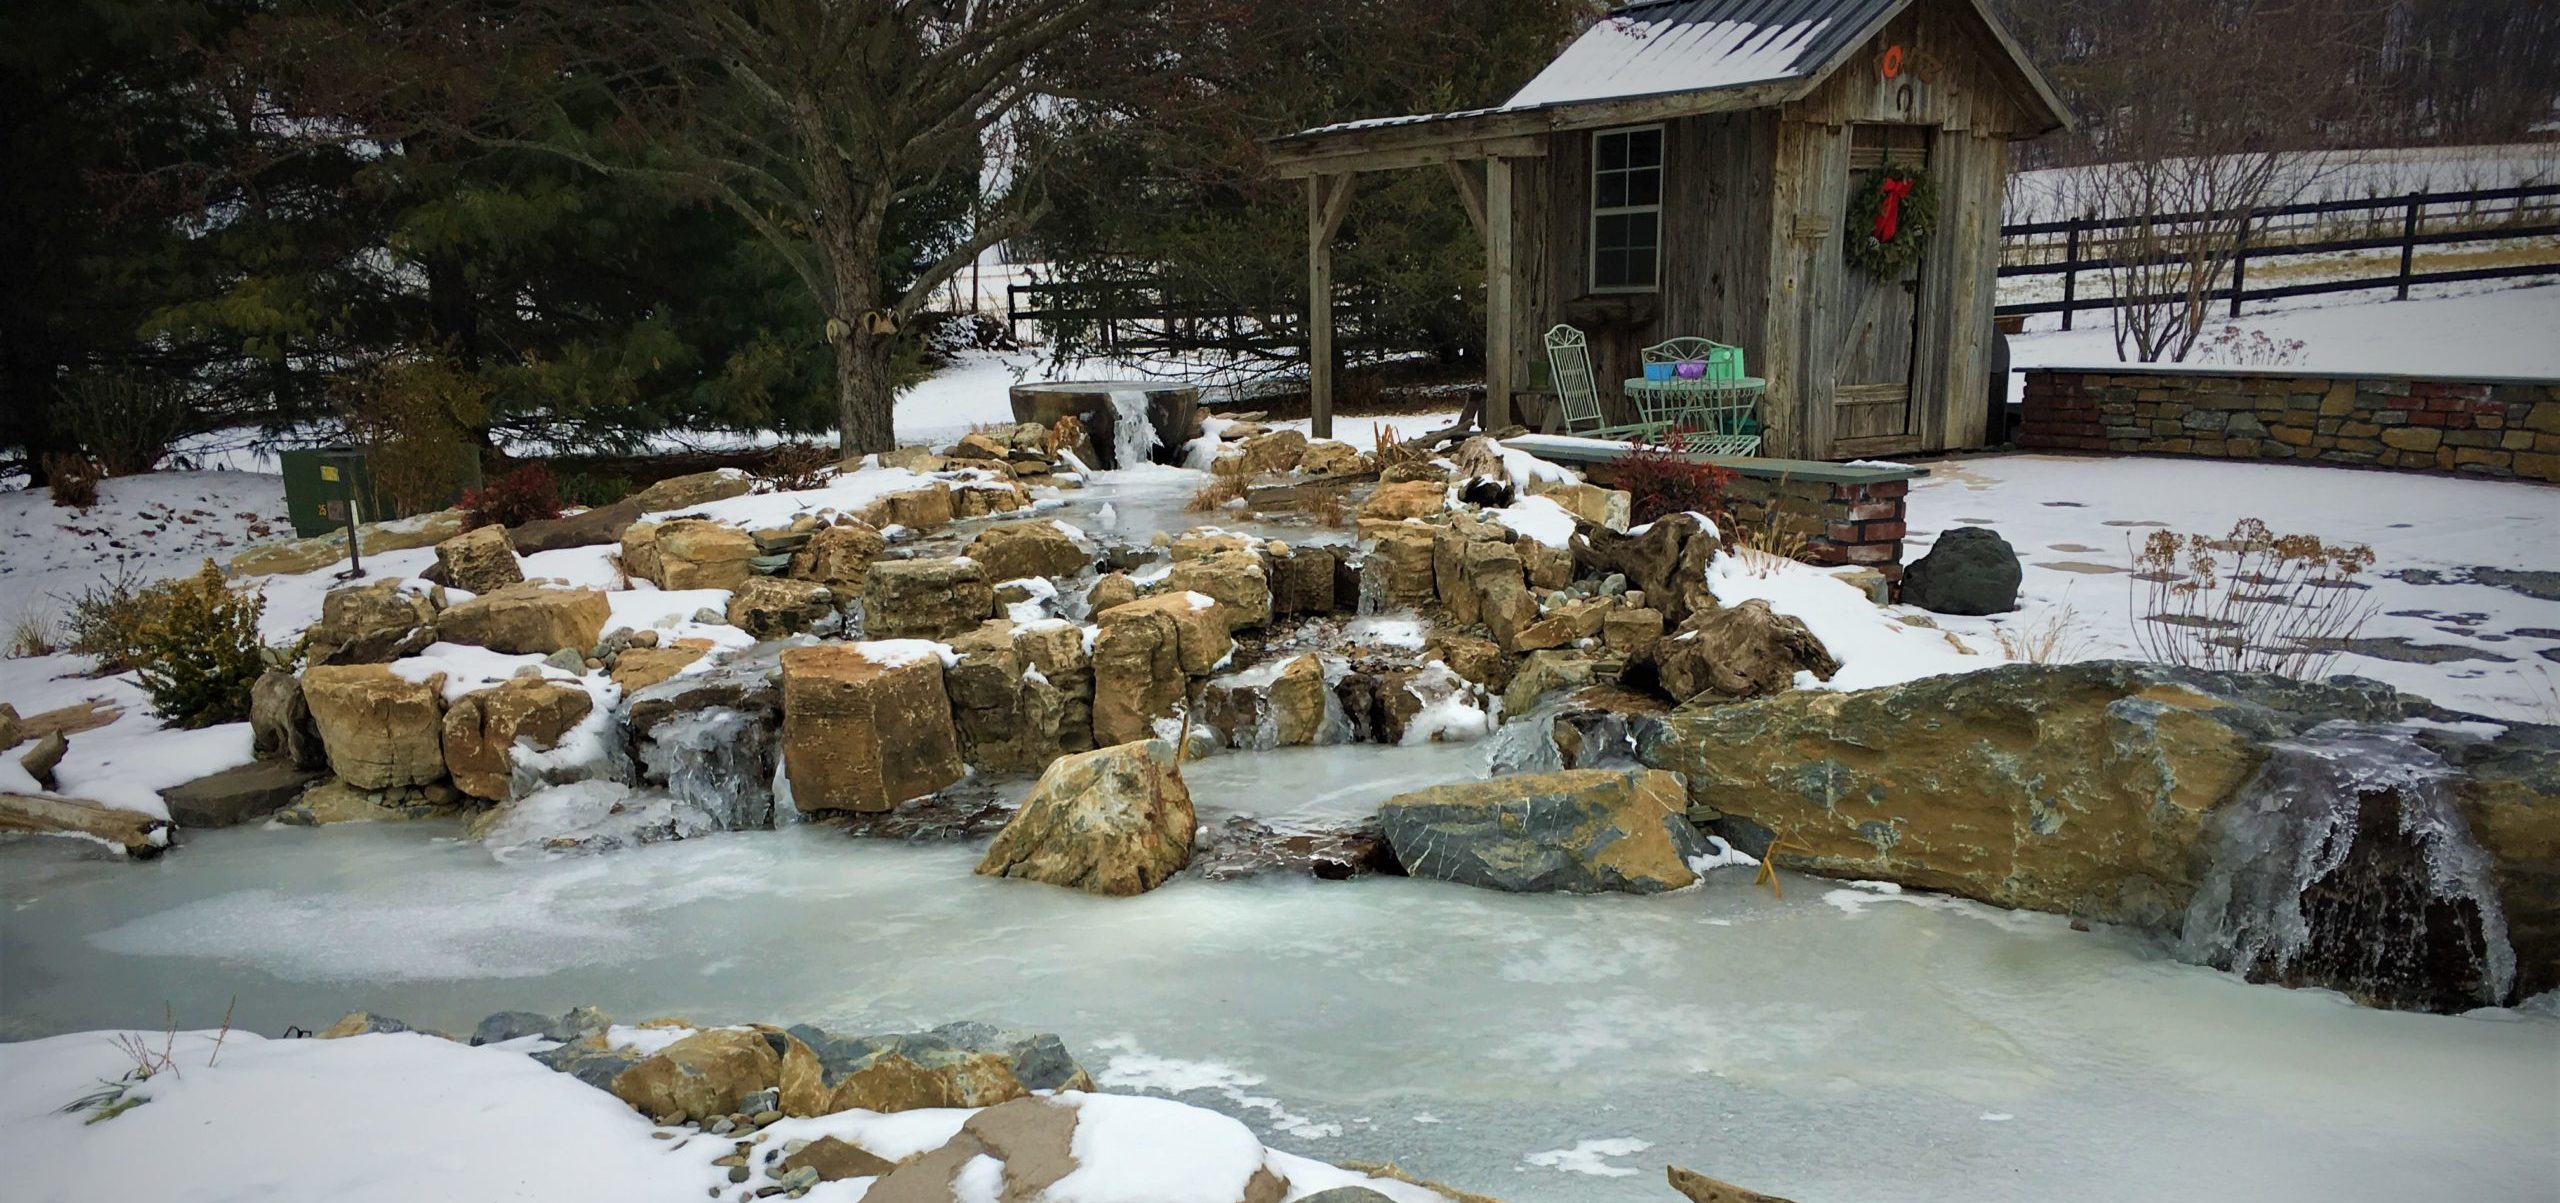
<point>315,495</point>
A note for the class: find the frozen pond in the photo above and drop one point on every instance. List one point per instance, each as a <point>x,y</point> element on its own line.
<point>1837,1045</point>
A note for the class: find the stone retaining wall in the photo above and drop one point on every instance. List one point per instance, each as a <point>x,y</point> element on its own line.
<point>2497,427</point>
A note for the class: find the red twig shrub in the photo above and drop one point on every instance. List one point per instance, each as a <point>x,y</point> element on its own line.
<point>524,495</point>
<point>1661,479</point>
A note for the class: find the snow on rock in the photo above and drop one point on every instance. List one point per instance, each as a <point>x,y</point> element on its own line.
<point>843,493</point>
<point>1539,518</point>
<point>468,669</point>
<point>1873,647</point>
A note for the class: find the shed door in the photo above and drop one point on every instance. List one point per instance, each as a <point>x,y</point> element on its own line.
<point>1871,395</point>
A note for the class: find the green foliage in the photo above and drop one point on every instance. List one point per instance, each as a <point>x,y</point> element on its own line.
<point>199,649</point>
<point>1916,218</point>
<point>106,619</point>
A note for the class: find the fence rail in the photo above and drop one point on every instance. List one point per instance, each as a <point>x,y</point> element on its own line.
<point>2524,215</point>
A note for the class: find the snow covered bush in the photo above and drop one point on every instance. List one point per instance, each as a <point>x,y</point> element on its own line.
<point>199,649</point>
<point>524,495</point>
<point>1661,479</point>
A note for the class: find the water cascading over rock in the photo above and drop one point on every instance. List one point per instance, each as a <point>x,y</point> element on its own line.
<point>719,761</point>
<point>2344,863</point>
<point>1133,430</point>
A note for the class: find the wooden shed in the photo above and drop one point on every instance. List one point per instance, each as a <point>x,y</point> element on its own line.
<point>1686,167</point>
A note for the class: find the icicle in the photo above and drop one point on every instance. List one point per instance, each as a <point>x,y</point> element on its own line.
<point>715,760</point>
<point>1133,430</point>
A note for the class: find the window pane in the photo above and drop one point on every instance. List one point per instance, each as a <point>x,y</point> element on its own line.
<point>1610,190</point>
<point>1609,269</point>
<point>1610,232</point>
<point>1612,149</point>
<point>1644,148</point>
<point>1640,268</point>
<point>1641,230</point>
<point>1641,187</point>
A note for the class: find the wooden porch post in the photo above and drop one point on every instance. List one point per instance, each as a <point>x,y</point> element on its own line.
<point>1328,197</point>
<point>1499,354</point>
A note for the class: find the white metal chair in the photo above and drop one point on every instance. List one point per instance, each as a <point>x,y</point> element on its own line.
<point>1578,390</point>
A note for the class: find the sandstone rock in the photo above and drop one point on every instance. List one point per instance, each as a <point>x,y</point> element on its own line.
<point>483,729</point>
<point>1742,652</point>
<point>1580,830</point>
<point>1201,542</point>
<point>528,619</point>
<point>1112,590</point>
<point>41,759</point>
<point>707,1073</point>
<point>374,624</point>
<point>839,556</point>
<point>480,560</point>
<point>1969,570</point>
<point>1117,820</point>
<point>694,553</point>
<point>1408,499</point>
<point>1413,470</point>
<point>1235,579</point>
<point>1563,626</point>
<point>1632,631</point>
<point>686,492</point>
<point>977,499</point>
<point>926,599</point>
<point>1598,506</point>
<point>1272,705</point>
<point>586,528</point>
<point>333,801</point>
<point>638,668</point>
<point>835,1160</point>
<point>1007,720</point>
<point>865,726</point>
<point>1015,550</point>
<point>1143,657</point>
<point>13,730</point>
<point>1056,649</point>
<point>1400,556</point>
<point>1276,451</point>
<point>1658,562</point>
<point>1477,660</point>
<point>1329,457</point>
<point>237,794</point>
<point>380,730</point>
<point>320,551</point>
<point>1544,673</point>
<point>955,1065</point>
<point>770,607</point>
<point>360,1023</point>
<point>280,727</point>
<point>1302,582</point>
<point>1698,1188</point>
<point>921,508</point>
<point>1547,568</point>
<point>913,457</point>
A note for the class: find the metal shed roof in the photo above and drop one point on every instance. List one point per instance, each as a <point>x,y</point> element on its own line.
<point>1670,47</point>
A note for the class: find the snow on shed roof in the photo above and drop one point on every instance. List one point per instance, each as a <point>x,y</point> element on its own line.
<point>1694,45</point>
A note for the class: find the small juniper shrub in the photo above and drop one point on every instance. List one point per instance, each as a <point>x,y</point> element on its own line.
<point>524,495</point>
<point>796,467</point>
<point>74,479</point>
<point>1661,479</point>
<point>200,651</point>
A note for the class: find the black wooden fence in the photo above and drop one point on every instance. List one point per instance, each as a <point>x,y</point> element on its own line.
<point>2524,214</point>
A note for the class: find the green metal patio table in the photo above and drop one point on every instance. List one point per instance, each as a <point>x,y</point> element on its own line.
<point>1719,417</point>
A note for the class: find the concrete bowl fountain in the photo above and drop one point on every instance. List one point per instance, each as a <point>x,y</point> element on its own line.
<point>1128,420</point>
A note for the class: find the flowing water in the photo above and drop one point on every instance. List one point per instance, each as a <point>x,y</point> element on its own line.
<point>1837,1044</point>
<point>1133,429</point>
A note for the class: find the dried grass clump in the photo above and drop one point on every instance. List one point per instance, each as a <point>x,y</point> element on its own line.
<point>73,478</point>
<point>32,633</point>
<point>1387,448</point>
<point>795,468</point>
<point>1222,491</point>
<point>2055,637</point>
<point>2251,601</point>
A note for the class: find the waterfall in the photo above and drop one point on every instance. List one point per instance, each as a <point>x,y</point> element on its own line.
<point>1133,430</point>
<point>2345,863</point>
<point>718,761</point>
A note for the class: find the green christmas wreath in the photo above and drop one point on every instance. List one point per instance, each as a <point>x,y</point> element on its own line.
<point>1890,220</point>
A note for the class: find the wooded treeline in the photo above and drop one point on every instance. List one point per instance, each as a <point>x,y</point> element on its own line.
<point>580,221</point>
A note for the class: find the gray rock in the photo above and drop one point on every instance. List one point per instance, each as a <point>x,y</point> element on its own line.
<point>39,761</point>
<point>1969,570</point>
<point>280,725</point>
<point>511,1025</point>
<point>238,794</point>
<point>589,1061</point>
<point>1579,831</point>
<point>1347,1194</point>
<point>567,659</point>
<point>1040,1060</point>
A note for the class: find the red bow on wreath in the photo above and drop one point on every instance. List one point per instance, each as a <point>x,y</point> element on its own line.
<point>1889,217</point>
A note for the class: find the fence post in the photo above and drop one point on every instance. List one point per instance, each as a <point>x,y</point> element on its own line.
<point>2409,241</point>
<point>2070,267</point>
<point>2239,265</point>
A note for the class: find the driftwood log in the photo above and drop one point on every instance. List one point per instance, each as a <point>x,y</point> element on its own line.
<point>139,835</point>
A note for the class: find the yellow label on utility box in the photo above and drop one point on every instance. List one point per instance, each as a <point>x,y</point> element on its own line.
<point>328,472</point>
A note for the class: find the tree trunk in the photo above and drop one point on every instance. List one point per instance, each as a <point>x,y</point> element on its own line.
<point>864,392</point>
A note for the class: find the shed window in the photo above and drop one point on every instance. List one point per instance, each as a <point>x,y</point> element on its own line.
<point>1626,209</point>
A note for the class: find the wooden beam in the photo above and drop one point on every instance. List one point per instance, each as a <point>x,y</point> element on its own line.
<point>1509,134</point>
<point>1330,158</point>
<point>1327,198</point>
<point>1500,324</point>
<point>1470,192</point>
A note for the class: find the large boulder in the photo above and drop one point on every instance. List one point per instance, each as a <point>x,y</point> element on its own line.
<point>1007,717</point>
<point>1666,559</point>
<point>1332,457</point>
<point>1397,568</point>
<point>1012,551</point>
<point>866,726</point>
<point>380,730</point>
<point>708,1073</point>
<point>483,730</point>
<point>237,794</point>
<point>532,618</point>
<point>1144,655</point>
<point>770,607</point>
<point>921,508</point>
<point>1116,820</point>
<point>374,624</point>
<point>1276,704</point>
<point>1580,830</point>
<point>1303,581</point>
<point>839,556</point>
<point>686,492</point>
<point>481,560</point>
<point>1741,652</point>
<point>926,598</point>
<point>1407,499</point>
<point>1055,649</point>
<point>1237,580</point>
<point>280,726</point>
<point>955,1065</point>
<point>1275,451</point>
<point>1969,570</point>
<point>688,553</point>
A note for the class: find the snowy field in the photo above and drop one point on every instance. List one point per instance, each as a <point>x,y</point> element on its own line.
<point>2467,572</point>
<point>2046,195</point>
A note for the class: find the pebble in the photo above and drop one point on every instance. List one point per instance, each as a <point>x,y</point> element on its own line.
<point>676,1120</point>
<point>767,1117</point>
<point>791,1148</point>
<point>737,1173</point>
<point>731,1159</point>
<point>664,1135</point>
<point>715,1192</point>
<point>800,1179</point>
<point>721,1126</point>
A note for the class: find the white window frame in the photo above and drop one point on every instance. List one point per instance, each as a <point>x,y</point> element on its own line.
<point>1591,229</point>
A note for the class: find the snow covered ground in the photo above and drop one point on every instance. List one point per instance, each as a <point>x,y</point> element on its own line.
<point>2506,332</point>
<point>2045,195</point>
<point>2467,571</point>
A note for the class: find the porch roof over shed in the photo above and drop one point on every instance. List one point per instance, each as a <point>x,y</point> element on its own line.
<point>1644,62</point>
